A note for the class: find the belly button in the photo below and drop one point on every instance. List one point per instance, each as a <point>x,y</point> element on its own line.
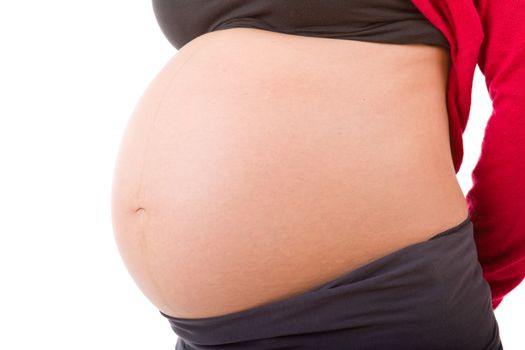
<point>139,210</point>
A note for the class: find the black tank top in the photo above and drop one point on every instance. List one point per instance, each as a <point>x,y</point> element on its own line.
<point>387,21</point>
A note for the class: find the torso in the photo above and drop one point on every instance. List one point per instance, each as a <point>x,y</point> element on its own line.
<point>258,165</point>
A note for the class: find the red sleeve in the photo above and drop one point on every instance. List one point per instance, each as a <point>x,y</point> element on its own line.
<point>496,200</point>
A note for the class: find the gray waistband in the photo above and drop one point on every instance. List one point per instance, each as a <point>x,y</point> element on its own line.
<point>428,295</point>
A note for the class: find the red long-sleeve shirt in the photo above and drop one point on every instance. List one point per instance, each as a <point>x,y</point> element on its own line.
<point>490,34</point>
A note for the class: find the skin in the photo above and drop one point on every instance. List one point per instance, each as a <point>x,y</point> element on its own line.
<point>258,165</point>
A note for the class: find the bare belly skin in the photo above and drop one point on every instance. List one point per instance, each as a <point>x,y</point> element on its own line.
<point>258,165</point>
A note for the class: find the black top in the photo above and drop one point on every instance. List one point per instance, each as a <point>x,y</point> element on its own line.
<point>387,21</point>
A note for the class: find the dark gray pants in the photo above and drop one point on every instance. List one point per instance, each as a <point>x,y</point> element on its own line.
<point>429,295</point>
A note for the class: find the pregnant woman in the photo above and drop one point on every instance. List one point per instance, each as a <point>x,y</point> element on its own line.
<point>288,179</point>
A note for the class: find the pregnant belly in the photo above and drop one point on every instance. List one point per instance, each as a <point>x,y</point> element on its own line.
<point>258,165</point>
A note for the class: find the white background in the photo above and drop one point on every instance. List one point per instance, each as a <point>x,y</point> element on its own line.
<point>71,73</point>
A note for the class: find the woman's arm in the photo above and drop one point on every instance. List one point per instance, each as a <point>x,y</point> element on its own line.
<point>497,198</point>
